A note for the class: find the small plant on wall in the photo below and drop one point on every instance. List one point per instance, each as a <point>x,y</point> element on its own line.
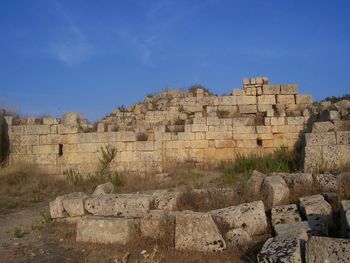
<point>223,113</point>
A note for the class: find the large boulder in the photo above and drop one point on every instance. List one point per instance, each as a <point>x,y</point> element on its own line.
<point>56,208</point>
<point>74,203</point>
<point>102,205</point>
<point>250,217</point>
<point>255,182</point>
<point>318,213</point>
<point>166,200</point>
<point>292,229</point>
<point>322,127</point>
<point>324,249</point>
<point>275,190</point>
<point>326,182</point>
<point>197,232</point>
<point>238,238</point>
<point>107,230</point>
<point>298,182</point>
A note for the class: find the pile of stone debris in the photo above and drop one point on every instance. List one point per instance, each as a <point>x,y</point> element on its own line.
<point>300,232</point>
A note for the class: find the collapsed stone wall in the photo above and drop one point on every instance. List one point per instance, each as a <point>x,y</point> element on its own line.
<point>169,128</point>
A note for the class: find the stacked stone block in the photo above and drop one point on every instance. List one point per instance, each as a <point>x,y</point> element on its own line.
<point>169,128</point>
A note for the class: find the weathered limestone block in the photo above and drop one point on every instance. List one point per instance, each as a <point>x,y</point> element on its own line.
<point>292,228</point>
<point>278,121</point>
<point>158,225</point>
<point>166,200</point>
<point>56,208</point>
<point>343,137</point>
<point>326,182</point>
<point>50,121</point>
<point>275,190</point>
<point>102,205</point>
<point>74,203</point>
<point>36,129</point>
<point>67,129</point>
<point>303,99</point>
<point>299,120</point>
<point>318,213</point>
<point>107,230</point>
<point>267,100</point>
<point>238,92</point>
<point>272,89</point>
<point>325,249</point>
<point>297,181</point>
<point>255,182</point>
<point>285,214</point>
<point>246,100</point>
<point>289,89</point>
<point>281,249</point>
<point>127,136</point>
<point>197,232</point>
<point>250,217</point>
<point>70,118</point>
<point>323,127</point>
<point>238,238</point>
<point>320,138</point>
<point>199,128</point>
<point>345,218</point>
<point>313,158</point>
<point>245,109</point>
<point>102,189</point>
<point>285,99</point>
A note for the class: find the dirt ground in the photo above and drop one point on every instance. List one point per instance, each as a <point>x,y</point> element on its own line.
<point>55,242</point>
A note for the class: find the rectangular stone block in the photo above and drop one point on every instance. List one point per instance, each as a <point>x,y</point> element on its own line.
<point>303,99</point>
<point>291,89</point>
<point>243,121</point>
<point>285,99</point>
<point>269,89</point>
<point>246,100</point>
<point>36,129</point>
<point>127,136</point>
<point>320,138</point>
<point>245,109</point>
<point>45,149</point>
<point>199,127</point>
<point>107,230</point>
<point>246,129</point>
<point>263,129</point>
<point>219,135</point>
<point>50,121</point>
<point>144,146</point>
<point>227,100</point>
<point>277,121</point>
<point>67,129</point>
<point>295,120</point>
<point>267,100</point>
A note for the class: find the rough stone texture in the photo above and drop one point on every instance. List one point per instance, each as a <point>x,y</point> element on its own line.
<point>322,127</point>
<point>297,182</point>
<point>106,188</point>
<point>74,203</point>
<point>345,218</point>
<point>197,232</point>
<point>326,182</point>
<point>255,182</point>
<point>56,208</point>
<point>324,249</point>
<point>250,217</point>
<point>107,230</point>
<point>134,205</point>
<point>318,213</point>
<point>281,249</point>
<point>292,228</point>
<point>275,190</point>
<point>166,200</point>
<point>285,214</point>
<point>238,238</point>
<point>158,225</point>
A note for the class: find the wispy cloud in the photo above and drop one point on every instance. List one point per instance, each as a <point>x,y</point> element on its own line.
<point>70,46</point>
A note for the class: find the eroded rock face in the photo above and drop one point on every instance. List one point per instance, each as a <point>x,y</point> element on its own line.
<point>74,203</point>
<point>158,225</point>
<point>281,249</point>
<point>238,238</point>
<point>324,249</point>
<point>297,181</point>
<point>275,190</point>
<point>107,230</point>
<point>197,232</point>
<point>326,182</point>
<point>285,214</point>
<point>166,200</point>
<point>102,205</point>
<point>293,229</point>
<point>56,208</point>
<point>250,217</point>
<point>318,213</point>
<point>103,189</point>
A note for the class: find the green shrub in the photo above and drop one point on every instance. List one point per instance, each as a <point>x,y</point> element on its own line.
<point>116,180</point>
<point>281,160</point>
<point>73,176</point>
<point>19,232</point>
<point>334,99</point>
<point>223,113</point>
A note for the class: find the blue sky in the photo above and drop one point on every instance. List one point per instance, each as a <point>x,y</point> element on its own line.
<point>91,56</point>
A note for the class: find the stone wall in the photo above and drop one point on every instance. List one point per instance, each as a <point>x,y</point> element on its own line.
<point>170,128</point>
<point>328,146</point>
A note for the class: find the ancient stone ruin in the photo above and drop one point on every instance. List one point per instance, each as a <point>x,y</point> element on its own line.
<point>296,232</point>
